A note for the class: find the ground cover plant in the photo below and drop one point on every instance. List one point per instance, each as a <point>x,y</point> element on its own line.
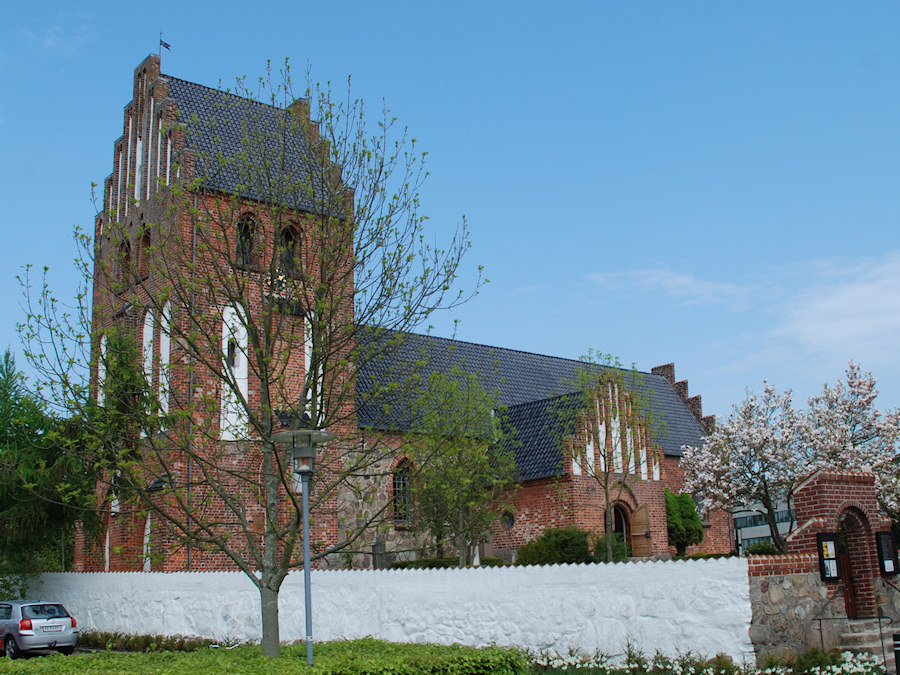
<point>635,662</point>
<point>357,657</point>
<point>375,657</point>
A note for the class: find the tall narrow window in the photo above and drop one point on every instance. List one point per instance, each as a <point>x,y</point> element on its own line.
<point>235,383</point>
<point>124,263</point>
<point>245,232</point>
<point>402,500</point>
<point>288,247</point>
<point>144,254</point>
<point>165,347</point>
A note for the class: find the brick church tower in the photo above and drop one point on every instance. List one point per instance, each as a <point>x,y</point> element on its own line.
<point>222,313</point>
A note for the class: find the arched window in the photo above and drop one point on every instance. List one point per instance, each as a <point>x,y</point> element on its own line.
<point>288,247</point>
<point>144,254</point>
<point>402,499</point>
<point>235,385</point>
<point>245,232</point>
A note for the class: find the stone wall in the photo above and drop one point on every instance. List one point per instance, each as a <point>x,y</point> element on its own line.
<point>698,605</point>
<point>793,609</point>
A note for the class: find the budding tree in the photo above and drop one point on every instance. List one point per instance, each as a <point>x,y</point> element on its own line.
<point>463,458</point>
<point>610,412</point>
<point>260,251</point>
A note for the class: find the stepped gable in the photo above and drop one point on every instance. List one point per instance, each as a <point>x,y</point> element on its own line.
<point>525,383</point>
<point>215,124</point>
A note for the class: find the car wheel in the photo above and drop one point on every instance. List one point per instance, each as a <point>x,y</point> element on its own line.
<point>67,651</point>
<point>12,649</point>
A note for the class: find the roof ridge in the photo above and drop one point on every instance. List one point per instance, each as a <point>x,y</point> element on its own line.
<point>224,92</point>
<point>528,353</point>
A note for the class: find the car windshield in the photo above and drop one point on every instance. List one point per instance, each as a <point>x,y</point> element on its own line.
<point>45,611</point>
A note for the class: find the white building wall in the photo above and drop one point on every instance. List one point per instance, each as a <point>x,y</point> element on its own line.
<point>698,605</point>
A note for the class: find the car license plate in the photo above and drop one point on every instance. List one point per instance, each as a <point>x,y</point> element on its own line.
<point>52,629</point>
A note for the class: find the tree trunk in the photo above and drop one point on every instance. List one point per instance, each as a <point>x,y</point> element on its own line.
<point>271,640</point>
<point>777,539</point>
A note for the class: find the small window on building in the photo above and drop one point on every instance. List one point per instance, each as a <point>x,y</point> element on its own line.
<point>144,254</point>
<point>124,276</point>
<point>245,232</point>
<point>288,248</point>
<point>402,500</point>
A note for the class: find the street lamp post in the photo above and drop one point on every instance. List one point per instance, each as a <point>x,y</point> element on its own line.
<point>303,444</point>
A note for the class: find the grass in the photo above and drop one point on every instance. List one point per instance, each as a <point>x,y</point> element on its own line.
<point>375,657</point>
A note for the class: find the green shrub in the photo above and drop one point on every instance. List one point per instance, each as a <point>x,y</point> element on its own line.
<point>125,642</point>
<point>620,550</point>
<point>557,546</point>
<point>682,521</point>
<point>761,548</point>
<point>816,658</point>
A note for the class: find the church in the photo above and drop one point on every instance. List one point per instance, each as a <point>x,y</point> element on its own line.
<point>235,296</point>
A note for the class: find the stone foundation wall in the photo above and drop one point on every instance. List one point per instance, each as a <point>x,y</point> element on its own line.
<point>793,609</point>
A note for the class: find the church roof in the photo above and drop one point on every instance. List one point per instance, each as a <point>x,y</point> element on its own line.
<point>233,138</point>
<point>533,388</point>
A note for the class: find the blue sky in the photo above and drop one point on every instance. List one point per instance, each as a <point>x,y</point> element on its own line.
<point>709,183</point>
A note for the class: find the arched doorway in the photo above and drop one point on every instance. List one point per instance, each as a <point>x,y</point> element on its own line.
<point>622,524</point>
<point>856,563</point>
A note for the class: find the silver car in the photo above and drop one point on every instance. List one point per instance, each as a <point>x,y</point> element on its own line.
<point>26,626</point>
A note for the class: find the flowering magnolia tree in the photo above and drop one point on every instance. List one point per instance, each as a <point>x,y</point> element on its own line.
<point>750,460</point>
<point>844,431</point>
<point>757,456</point>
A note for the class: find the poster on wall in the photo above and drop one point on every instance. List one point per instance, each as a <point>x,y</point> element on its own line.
<point>829,563</point>
<point>887,552</point>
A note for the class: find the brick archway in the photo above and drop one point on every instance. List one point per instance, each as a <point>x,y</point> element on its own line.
<point>859,590</point>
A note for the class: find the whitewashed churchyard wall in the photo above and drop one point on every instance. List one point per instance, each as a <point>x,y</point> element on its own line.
<point>701,605</point>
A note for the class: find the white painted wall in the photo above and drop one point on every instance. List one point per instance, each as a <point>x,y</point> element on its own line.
<point>701,605</point>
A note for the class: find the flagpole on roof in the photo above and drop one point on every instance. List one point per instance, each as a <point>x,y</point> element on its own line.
<point>163,43</point>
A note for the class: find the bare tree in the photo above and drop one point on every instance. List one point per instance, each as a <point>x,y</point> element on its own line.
<point>270,260</point>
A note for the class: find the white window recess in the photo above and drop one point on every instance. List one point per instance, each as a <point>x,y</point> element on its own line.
<point>101,372</point>
<point>149,326</point>
<point>165,348</point>
<point>128,163</point>
<point>147,544</point>
<point>314,380</point>
<point>138,169</point>
<point>642,442</point>
<point>576,460</point>
<point>233,420</point>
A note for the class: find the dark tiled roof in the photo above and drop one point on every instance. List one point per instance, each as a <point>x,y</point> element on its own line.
<point>233,138</point>
<point>527,385</point>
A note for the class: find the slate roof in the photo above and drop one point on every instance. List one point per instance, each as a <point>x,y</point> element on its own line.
<point>531,386</point>
<point>218,125</point>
